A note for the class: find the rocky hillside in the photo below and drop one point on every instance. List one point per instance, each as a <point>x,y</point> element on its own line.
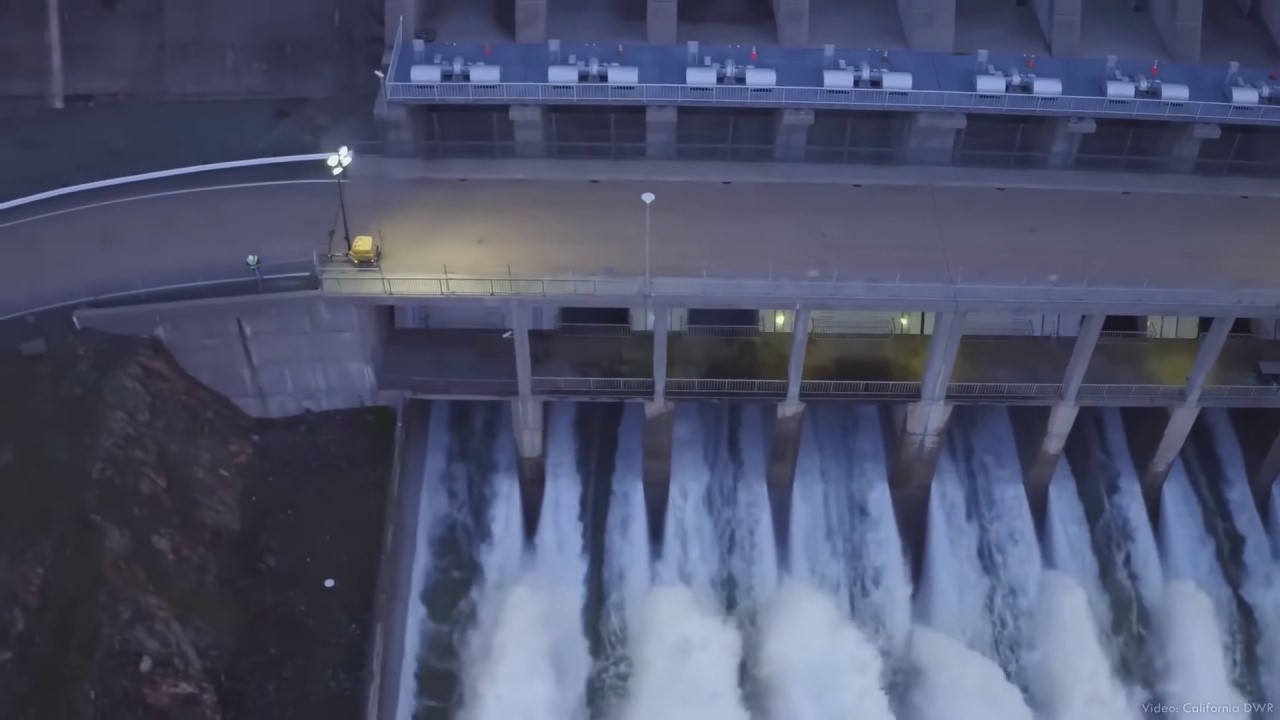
<point>164,556</point>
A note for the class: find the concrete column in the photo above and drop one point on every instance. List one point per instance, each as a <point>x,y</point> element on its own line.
<point>799,343</point>
<point>520,340</point>
<point>948,328</point>
<point>1259,433</point>
<point>660,131</point>
<point>399,131</point>
<point>1060,21</point>
<point>792,19</point>
<point>526,413</point>
<point>791,137</point>
<point>1182,143</point>
<point>661,18</point>
<point>930,137</point>
<point>1041,468</point>
<point>529,130</point>
<point>1183,417</point>
<point>1061,139</point>
<point>53,38</point>
<point>929,24</point>
<point>661,320</point>
<point>784,450</point>
<point>531,21</point>
<point>1269,13</point>
<point>659,423</point>
<point>1179,24</point>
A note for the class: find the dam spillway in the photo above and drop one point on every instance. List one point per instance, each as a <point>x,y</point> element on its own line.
<point>1098,613</point>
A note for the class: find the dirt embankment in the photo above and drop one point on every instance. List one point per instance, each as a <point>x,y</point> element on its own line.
<point>164,556</point>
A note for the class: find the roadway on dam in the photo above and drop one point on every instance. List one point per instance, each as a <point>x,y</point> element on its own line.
<point>153,235</point>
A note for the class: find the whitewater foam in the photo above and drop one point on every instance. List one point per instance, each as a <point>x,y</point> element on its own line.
<point>1198,673</point>
<point>956,683</point>
<point>814,663</point>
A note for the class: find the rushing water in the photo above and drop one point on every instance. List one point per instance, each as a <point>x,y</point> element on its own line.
<point>1098,615</point>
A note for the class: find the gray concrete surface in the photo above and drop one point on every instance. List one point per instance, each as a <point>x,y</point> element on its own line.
<point>273,356</point>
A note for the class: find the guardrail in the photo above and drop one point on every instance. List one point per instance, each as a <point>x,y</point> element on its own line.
<point>827,98</point>
<point>160,175</point>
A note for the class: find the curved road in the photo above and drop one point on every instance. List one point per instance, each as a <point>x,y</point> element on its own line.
<point>186,230</point>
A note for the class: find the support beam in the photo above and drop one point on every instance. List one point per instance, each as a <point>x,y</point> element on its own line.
<point>1060,22</point>
<point>1183,417</point>
<point>661,17</point>
<point>1259,433</point>
<point>659,423</point>
<point>929,24</point>
<point>930,137</point>
<point>792,19</point>
<point>1178,22</point>
<point>531,21</point>
<point>520,341</point>
<point>1182,143</point>
<point>1061,419</point>
<point>660,131</point>
<point>791,136</point>
<point>799,344</point>
<point>661,320</point>
<point>53,38</point>
<point>1060,138</point>
<point>948,328</point>
<point>529,130</point>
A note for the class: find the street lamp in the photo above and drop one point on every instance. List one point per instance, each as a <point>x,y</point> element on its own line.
<point>337,163</point>
<point>648,202</point>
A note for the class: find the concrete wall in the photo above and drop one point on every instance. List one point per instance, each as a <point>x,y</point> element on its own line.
<point>273,356</point>
<point>186,48</point>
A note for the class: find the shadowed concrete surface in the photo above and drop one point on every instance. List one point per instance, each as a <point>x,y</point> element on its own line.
<point>798,232</point>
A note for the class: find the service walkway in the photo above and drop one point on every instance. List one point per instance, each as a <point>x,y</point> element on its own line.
<point>1023,370</point>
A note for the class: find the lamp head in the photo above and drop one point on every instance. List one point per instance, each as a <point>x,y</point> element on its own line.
<point>647,198</point>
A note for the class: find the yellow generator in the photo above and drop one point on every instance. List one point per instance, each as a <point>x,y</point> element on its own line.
<point>364,251</point>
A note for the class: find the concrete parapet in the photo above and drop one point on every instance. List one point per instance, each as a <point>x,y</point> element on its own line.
<point>529,130</point>
<point>1060,20</point>
<point>929,24</point>
<point>921,431</point>
<point>930,137</point>
<point>527,420</point>
<point>660,131</point>
<point>659,424</point>
<point>791,137</point>
<point>784,450</point>
<point>1179,23</point>
<point>661,17</point>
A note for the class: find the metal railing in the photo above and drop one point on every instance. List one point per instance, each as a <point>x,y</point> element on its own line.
<point>1036,391</point>
<point>860,388</point>
<point>611,386</point>
<point>595,328</point>
<point>827,98</point>
<point>722,330</point>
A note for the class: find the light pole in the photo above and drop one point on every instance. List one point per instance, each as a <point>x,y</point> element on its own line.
<point>338,162</point>
<point>648,202</point>
<point>254,263</point>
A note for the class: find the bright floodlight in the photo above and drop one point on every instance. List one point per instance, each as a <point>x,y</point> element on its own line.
<point>339,161</point>
<point>647,198</point>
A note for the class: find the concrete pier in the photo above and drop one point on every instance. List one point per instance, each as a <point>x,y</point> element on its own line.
<point>529,129</point>
<point>791,138</point>
<point>1060,20</point>
<point>1259,432</point>
<point>531,21</point>
<point>1183,141</point>
<point>930,137</point>
<point>661,20</point>
<point>660,131</point>
<point>1038,473</point>
<point>661,321</point>
<point>792,19</point>
<point>659,423</point>
<point>784,447</point>
<point>529,428</point>
<point>929,24</point>
<point>1179,23</point>
<point>1153,471</point>
<point>1061,138</point>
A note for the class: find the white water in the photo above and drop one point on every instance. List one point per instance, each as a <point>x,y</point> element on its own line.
<point>1071,672</point>
<point>686,656</point>
<point>956,683</point>
<point>1199,683</point>
<point>529,657</point>
<point>1127,517</point>
<point>815,664</point>
<point>844,537</point>
<point>1261,581</point>
<point>1068,545</point>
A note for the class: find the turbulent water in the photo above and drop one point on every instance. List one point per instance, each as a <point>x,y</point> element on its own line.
<point>606,613</point>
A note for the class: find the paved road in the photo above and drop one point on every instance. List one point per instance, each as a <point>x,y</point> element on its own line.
<point>560,228</point>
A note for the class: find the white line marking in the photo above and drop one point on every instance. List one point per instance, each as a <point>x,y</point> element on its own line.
<point>151,196</point>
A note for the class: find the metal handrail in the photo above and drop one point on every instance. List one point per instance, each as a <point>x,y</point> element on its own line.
<point>1050,391</point>
<point>587,384</point>
<point>855,388</point>
<point>736,95</point>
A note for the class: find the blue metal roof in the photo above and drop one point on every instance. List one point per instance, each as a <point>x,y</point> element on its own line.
<point>940,81</point>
